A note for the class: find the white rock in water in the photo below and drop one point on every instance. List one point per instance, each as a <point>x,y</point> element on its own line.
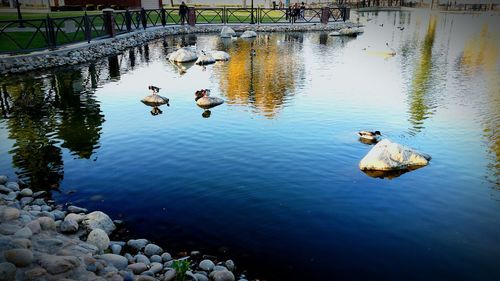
<point>205,59</point>
<point>249,34</point>
<point>155,100</point>
<point>220,55</point>
<point>208,102</point>
<point>183,55</point>
<point>227,32</point>
<point>335,33</point>
<point>350,31</point>
<point>388,156</point>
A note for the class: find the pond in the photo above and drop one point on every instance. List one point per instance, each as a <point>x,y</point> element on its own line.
<point>270,178</point>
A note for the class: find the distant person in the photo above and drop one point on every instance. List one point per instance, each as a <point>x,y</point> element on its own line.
<point>281,5</point>
<point>183,10</point>
<point>303,10</point>
<point>295,12</point>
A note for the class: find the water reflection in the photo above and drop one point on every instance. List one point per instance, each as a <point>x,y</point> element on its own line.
<point>421,105</point>
<point>262,72</point>
<point>49,112</point>
<point>479,59</point>
<point>31,125</point>
<point>80,116</point>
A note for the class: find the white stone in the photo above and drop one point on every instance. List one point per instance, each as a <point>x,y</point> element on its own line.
<point>220,55</point>
<point>155,100</point>
<point>68,226</point>
<point>209,102</point>
<point>99,220</point>
<point>205,59</point>
<point>227,32</point>
<point>98,238</point>
<point>388,156</point>
<point>206,265</point>
<point>152,249</point>
<point>183,55</point>
<point>26,192</point>
<point>117,261</point>
<point>249,34</point>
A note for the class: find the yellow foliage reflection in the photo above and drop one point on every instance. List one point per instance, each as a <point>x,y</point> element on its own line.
<point>263,77</point>
<point>420,104</point>
<point>480,57</point>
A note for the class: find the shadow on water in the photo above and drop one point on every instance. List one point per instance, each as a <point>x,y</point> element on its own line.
<point>390,174</point>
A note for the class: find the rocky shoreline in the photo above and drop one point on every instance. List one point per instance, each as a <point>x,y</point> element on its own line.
<point>43,241</point>
<point>85,52</point>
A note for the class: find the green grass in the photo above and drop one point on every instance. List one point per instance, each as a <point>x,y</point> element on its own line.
<point>31,16</point>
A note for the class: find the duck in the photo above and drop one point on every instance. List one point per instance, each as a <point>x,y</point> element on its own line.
<point>392,52</point>
<point>369,135</point>
<point>154,99</point>
<point>381,25</point>
<point>203,99</point>
<point>154,89</point>
<point>253,53</point>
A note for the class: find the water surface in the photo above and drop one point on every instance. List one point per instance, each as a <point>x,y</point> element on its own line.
<point>271,177</point>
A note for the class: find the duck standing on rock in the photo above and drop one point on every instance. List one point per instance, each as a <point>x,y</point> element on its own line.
<point>154,99</point>
<point>369,136</point>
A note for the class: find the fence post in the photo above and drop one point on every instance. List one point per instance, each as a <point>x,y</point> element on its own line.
<point>144,20</point>
<point>51,35</point>
<point>346,13</point>
<point>88,30</point>
<point>225,15</point>
<point>109,22</point>
<point>191,16</point>
<point>128,20</point>
<point>325,15</point>
<point>163,17</point>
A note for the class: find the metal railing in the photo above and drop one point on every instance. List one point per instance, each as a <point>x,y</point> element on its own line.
<point>18,36</point>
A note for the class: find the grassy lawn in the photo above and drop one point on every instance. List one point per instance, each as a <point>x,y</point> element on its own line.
<point>30,16</point>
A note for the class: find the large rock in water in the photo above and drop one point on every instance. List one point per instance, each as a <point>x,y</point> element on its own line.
<point>183,55</point>
<point>99,220</point>
<point>220,55</point>
<point>155,100</point>
<point>390,156</point>
<point>209,102</point>
<point>205,59</point>
<point>227,32</point>
<point>249,34</point>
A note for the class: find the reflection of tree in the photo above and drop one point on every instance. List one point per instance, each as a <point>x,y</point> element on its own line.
<point>263,80</point>
<point>420,104</point>
<point>32,123</point>
<point>80,117</point>
<point>480,59</point>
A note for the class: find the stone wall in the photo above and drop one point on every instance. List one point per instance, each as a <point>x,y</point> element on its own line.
<point>84,52</point>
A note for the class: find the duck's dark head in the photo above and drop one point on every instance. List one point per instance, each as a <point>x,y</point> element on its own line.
<point>198,95</point>
<point>377,133</point>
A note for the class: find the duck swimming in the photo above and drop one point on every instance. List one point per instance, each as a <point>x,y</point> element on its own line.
<point>369,135</point>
